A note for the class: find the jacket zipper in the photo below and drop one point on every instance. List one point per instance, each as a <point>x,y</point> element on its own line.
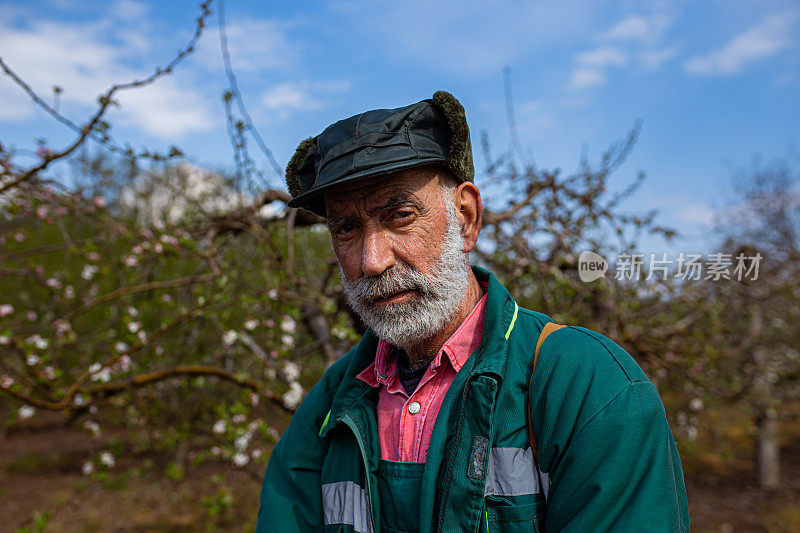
<point>351,423</point>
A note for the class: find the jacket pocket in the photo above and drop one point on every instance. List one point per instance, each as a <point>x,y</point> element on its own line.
<point>514,514</point>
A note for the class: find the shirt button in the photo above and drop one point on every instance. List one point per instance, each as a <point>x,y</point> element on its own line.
<point>413,408</point>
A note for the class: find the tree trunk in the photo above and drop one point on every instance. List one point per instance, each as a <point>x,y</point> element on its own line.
<point>768,459</point>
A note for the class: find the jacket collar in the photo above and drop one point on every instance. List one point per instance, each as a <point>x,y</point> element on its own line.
<point>498,323</point>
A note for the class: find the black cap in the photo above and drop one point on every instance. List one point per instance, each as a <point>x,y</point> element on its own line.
<point>378,142</point>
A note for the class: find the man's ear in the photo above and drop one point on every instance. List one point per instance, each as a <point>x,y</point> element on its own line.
<point>470,213</point>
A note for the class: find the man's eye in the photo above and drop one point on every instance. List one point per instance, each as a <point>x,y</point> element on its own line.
<point>400,215</point>
<point>344,229</point>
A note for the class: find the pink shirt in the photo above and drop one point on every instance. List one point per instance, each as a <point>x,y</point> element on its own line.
<point>405,423</point>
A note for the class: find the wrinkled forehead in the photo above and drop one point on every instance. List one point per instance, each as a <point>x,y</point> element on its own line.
<point>381,192</point>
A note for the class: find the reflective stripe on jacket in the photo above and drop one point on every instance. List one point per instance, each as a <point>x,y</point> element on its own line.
<point>607,457</point>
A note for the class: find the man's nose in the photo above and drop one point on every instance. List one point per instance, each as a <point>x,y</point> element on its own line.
<point>377,254</point>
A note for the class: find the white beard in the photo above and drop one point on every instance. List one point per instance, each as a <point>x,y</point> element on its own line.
<point>440,291</point>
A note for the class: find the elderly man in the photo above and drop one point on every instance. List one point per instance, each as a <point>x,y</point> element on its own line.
<point>432,422</point>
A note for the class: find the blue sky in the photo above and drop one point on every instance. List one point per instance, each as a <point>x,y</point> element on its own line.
<point>713,82</point>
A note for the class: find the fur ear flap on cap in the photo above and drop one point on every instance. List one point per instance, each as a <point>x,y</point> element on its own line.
<point>293,169</point>
<point>459,160</point>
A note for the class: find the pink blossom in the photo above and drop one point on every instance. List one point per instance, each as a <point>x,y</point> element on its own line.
<point>6,309</point>
<point>44,152</point>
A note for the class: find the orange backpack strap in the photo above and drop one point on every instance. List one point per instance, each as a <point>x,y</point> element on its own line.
<point>549,328</point>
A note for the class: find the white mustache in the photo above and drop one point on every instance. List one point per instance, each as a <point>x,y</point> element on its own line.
<point>400,278</point>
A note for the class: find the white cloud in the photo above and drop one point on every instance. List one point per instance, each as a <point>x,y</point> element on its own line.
<point>85,59</point>
<point>255,45</point>
<point>641,28</point>
<point>697,215</point>
<point>287,98</point>
<point>129,9</point>
<point>654,58</point>
<point>771,35</point>
<point>602,57</point>
<point>166,110</point>
<point>637,39</point>
<point>586,78</point>
<point>591,67</point>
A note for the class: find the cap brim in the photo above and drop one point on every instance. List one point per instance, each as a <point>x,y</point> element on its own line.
<point>313,201</point>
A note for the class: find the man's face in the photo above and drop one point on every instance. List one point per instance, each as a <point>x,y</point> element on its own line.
<point>400,253</point>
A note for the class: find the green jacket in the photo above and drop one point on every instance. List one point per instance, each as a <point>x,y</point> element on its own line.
<point>607,458</point>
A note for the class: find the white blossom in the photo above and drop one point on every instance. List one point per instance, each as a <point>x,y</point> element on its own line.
<point>37,340</point>
<point>89,271</point>
<point>120,347</point>
<point>238,419</point>
<point>130,261</point>
<point>287,341</point>
<point>241,443</point>
<point>272,294</point>
<point>33,359</point>
<point>25,412</point>
<point>291,370</point>
<point>94,368</point>
<point>6,309</point>
<point>133,327</point>
<point>125,363</point>
<point>61,326</point>
<point>6,381</point>
<point>69,292</point>
<point>288,324</point>
<point>49,372</point>
<point>132,311</point>
<point>92,427</point>
<point>103,376</point>
<point>107,459</point>
<point>696,404</point>
<point>220,426</point>
<point>239,460</point>
<point>229,337</point>
<point>5,339</point>
<point>87,468</point>
<point>256,453</point>
<point>293,396</point>
<point>251,324</point>
<point>53,283</point>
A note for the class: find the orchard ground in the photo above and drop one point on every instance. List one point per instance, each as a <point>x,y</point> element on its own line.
<point>41,476</point>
